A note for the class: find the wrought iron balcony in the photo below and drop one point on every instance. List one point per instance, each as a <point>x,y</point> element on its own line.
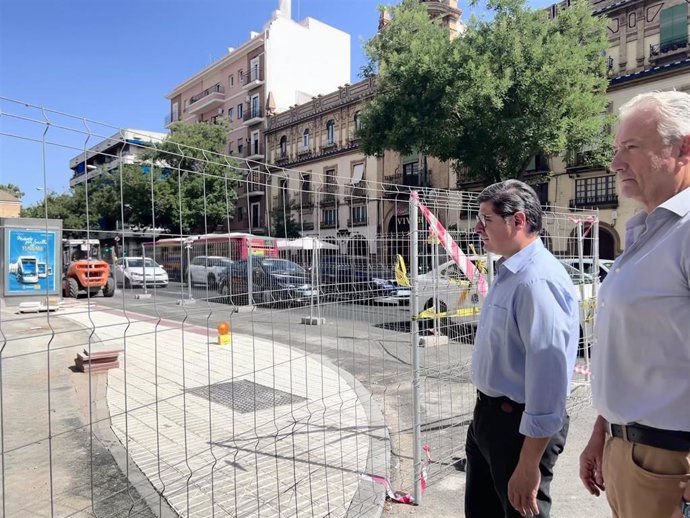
<point>595,200</point>
<point>357,192</point>
<point>582,162</point>
<point>303,200</point>
<point>253,116</point>
<point>212,97</point>
<point>328,193</point>
<point>670,47</point>
<point>254,78</point>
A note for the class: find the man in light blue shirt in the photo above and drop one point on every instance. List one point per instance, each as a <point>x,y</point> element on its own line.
<point>523,359</point>
<point>639,450</point>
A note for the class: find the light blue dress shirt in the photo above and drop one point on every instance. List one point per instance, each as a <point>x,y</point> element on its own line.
<point>641,350</point>
<point>526,342</point>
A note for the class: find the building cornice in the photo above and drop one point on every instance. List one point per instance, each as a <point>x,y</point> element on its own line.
<point>648,74</point>
<point>252,44</point>
<point>344,96</point>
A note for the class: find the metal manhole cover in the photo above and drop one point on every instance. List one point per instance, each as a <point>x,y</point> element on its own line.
<point>244,396</point>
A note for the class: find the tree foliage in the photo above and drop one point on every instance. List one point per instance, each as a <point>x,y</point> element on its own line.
<point>13,189</point>
<point>509,88</point>
<point>185,185</point>
<point>284,225</point>
<point>201,177</point>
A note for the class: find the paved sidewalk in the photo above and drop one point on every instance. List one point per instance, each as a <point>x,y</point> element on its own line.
<point>281,432</point>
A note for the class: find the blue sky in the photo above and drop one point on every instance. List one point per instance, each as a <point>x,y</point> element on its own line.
<point>113,62</point>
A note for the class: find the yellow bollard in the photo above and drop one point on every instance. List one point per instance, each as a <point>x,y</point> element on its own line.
<point>224,337</point>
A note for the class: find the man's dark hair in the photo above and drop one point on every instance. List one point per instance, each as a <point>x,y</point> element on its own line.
<point>511,196</point>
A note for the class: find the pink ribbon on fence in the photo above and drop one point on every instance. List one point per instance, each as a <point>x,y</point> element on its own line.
<point>463,262</point>
<point>397,496</point>
<point>401,496</point>
<point>588,219</point>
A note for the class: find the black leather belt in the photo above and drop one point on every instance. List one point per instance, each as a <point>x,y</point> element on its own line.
<point>665,439</point>
<point>500,402</point>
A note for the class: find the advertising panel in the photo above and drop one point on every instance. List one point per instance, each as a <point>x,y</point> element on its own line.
<point>31,262</point>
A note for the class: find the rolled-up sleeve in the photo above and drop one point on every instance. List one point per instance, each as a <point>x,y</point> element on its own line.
<point>547,317</point>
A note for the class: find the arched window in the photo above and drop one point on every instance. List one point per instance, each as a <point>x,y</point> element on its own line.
<point>305,139</point>
<point>330,132</point>
<point>358,121</point>
<point>283,146</point>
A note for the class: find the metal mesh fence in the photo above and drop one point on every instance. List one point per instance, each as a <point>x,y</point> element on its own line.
<point>338,362</point>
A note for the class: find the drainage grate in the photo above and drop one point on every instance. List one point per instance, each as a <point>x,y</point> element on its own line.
<point>244,396</point>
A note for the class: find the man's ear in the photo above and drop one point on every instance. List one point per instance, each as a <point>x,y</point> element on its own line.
<point>520,220</point>
<point>685,147</point>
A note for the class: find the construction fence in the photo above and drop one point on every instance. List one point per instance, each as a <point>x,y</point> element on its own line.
<point>278,342</point>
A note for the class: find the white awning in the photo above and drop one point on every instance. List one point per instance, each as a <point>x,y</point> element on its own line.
<point>357,173</point>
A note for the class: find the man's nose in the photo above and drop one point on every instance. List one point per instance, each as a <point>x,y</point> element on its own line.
<point>617,164</point>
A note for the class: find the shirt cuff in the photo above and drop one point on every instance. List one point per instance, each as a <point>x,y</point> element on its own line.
<point>541,425</point>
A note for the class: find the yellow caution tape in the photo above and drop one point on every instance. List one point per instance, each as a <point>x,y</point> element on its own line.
<point>462,312</point>
<point>401,272</point>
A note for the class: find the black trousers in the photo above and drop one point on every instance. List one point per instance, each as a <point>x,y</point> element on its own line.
<point>493,449</point>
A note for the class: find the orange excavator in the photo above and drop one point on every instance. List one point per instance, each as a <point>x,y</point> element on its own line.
<point>85,272</point>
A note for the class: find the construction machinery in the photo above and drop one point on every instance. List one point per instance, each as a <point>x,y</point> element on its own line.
<point>85,271</point>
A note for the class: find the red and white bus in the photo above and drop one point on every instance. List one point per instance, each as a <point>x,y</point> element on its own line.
<point>173,253</point>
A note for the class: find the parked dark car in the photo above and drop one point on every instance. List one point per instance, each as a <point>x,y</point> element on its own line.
<point>357,278</point>
<point>274,281</point>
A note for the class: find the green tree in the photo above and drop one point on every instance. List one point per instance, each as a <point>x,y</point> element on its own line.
<point>13,189</point>
<point>70,207</point>
<point>200,177</point>
<point>516,85</point>
<point>283,223</point>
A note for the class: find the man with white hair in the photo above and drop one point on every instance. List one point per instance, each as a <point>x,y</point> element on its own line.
<point>639,451</point>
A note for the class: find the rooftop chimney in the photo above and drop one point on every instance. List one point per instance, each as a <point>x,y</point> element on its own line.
<point>285,7</point>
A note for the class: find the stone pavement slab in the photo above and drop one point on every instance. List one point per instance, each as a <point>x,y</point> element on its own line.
<point>209,457</point>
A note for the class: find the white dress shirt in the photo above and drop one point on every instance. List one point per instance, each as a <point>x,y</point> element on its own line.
<point>641,349</point>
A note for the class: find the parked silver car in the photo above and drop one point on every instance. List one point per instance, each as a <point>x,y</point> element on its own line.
<point>208,270</point>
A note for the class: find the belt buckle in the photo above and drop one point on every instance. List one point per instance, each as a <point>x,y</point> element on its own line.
<point>624,429</point>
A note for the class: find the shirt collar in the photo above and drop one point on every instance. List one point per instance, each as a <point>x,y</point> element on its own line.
<point>518,261</point>
<point>678,204</point>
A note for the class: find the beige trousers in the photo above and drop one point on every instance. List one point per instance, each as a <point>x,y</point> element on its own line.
<point>643,481</point>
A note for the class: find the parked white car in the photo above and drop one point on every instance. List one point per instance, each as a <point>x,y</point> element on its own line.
<point>130,272</point>
<point>449,291</point>
<point>588,264</point>
<point>208,269</point>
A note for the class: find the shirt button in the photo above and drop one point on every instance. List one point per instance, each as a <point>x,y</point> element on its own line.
<point>603,304</point>
<point>618,270</point>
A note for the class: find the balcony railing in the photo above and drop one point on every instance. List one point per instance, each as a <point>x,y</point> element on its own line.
<point>582,162</point>
<point>596,200</point>
<point>169,119</point>
<point>255,184</point>
<point>254,75</point>
<point>303,199</point>
<point>254,152</point>
<point>217,88</point>
<point>357,192</point>
<point>253,115</point>
<point>669,47</point>
<point>328,193</point>
<point>357,222</point>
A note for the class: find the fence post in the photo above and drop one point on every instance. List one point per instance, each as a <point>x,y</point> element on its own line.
<point>414,325</point>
